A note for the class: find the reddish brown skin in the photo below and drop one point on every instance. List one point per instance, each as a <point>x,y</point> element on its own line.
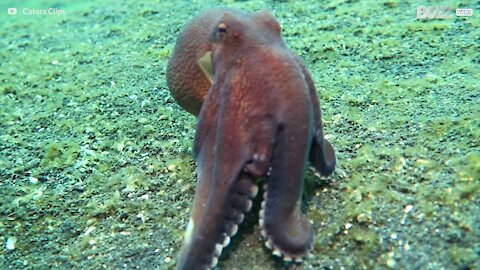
<point>186,81</point>
<point>260,118</point>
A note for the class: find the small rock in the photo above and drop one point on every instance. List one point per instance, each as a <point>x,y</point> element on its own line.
<point>408,208</point>
<point>11,241</point>
<point>364,218</point>
<point>356,196</point>
<point>33,180</point>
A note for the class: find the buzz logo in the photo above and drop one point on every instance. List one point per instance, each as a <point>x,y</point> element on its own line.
<point>432,12</point>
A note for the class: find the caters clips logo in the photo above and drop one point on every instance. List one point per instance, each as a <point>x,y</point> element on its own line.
<point>29,11</point>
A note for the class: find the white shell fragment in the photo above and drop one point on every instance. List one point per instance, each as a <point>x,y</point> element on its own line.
<point>11,241</point>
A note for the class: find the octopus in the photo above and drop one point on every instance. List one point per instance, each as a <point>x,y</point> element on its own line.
<point>259,119</point>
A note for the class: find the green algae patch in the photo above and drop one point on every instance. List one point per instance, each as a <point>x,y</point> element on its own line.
<point>364,236</point>
<point>61,154</point>
<point>465,257</point>
<point>104,208</point>
<point>469,167</point>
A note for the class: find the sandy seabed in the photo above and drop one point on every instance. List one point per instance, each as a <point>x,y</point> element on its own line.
<point>95,155</point>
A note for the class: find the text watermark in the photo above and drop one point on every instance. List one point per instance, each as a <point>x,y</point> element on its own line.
<point>441,12</point>
<point>32,11</point>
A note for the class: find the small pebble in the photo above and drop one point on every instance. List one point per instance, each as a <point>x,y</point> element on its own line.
<point>11,241</point>
<point>364,218</point>
<point>390,261</point>
<point>33,180</point>
<point>89,230</point>
<point>168,259</point>
<point>141,216</point>
<point>356,196</point>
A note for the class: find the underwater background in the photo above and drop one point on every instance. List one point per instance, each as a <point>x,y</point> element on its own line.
<point>96,170</point>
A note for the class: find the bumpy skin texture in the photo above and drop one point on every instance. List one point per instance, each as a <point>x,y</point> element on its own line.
<point>187,82</point>
<point>260,118</point>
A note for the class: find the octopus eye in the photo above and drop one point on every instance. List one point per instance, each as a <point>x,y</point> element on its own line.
<point>220,32</point>
<point>222,28</point>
